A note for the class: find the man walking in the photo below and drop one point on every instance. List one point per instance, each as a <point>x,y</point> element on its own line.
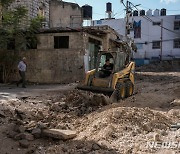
<point>22,69</point>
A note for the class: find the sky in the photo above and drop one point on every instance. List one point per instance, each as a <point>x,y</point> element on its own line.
<point>99,6</point>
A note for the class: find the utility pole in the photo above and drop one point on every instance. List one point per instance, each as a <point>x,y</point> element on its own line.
<point>127,5</point>
<point>161,39</point>
<point>127,18</point>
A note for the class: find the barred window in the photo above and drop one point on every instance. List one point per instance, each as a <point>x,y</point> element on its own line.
<point>176,25</point>
<point>61,42</point>
<point>177,43</point>
<point>156,44</point>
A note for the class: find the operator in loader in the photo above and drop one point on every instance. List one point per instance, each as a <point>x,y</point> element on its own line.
<point>107,69</point>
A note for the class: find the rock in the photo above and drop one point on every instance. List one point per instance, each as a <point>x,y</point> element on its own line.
<point>36,132</point>
<point>24,143</point>
<point>164,133</point>
<point>105,100</point>
<point>96,147</point>
<point>166,152</point>
<point>55,107</point>
<point>42,125</point>
<point>25,136</point>
<point>29,137</point>
<point>21,129</point>
<point>2,115</point>
<point>20,114</point>
<point>12,134</point>
<point>147,127</point>
<point>96,100</point>
<point>59,134</point>
<point>176,102</point>
<point>157,137</point>
<point>177,126</point>
<point>117,114</point>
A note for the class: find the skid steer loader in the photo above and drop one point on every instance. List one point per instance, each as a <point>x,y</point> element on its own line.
<point>120,82</point>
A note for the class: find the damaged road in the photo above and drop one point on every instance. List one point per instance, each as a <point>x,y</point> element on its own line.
<point>61,119</point>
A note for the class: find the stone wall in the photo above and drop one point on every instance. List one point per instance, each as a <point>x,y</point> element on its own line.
<point>54,66</point>
<point>64,14</point>
<point>49,65</point>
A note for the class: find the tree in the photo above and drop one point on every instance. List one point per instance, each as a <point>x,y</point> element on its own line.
<point>14,35</point>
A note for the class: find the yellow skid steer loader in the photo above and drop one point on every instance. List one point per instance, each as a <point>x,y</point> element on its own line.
<point>118,79</point>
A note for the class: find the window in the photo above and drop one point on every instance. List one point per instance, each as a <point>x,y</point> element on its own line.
<point>156,44</point>
<point>61,42</point>
<point>177,43</point>
<point>156,23</point>
<point>11,44</point>
<point>176,25</point>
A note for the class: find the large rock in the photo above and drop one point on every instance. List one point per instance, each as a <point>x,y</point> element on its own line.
<point>176,102</point>
<point>24,143</point>
<point>36,132</point>
<point>59,134</point>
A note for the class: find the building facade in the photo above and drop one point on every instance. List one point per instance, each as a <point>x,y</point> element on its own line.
<point>148,33</point>
<point>65,14</point>
<point>63,55</point>
<point>34,8</point>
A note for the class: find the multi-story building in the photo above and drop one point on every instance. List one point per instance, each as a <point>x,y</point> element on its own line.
<point>35,8</point>
<point>156,35</point>
<point>65,14</point>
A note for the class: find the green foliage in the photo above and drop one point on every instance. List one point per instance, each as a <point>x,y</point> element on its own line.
<point>6,3</point>
<point>12,28</point>
<point>33,30</point>
<point>8,59</point>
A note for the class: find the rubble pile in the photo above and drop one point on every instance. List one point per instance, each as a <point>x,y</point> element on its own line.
<point>163,66</point>
<point>121,127</point>
<point>79,122</point>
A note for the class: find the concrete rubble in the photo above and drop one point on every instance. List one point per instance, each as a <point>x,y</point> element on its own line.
<point>75,121</point>
<point>59,134</point>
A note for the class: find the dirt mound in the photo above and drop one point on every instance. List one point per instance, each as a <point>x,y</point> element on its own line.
<point>121,127</point>
<point>163,66</point>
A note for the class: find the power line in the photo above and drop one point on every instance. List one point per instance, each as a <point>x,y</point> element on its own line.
<point>149,19</point>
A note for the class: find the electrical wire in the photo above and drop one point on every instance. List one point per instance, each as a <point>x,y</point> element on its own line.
<point>147,18</point>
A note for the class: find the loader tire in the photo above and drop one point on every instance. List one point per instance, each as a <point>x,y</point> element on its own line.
<point>120,91</point>
<point>129,88</point>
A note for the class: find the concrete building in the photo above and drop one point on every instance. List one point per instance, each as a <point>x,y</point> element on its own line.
<point>65,14</point>
<point>35,8</point>
<point>147,34</point>
<point>63,55</point>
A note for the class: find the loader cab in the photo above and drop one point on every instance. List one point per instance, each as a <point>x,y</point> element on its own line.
<point>117,61</point>
<point>105,65</point>
<point>102,77</point>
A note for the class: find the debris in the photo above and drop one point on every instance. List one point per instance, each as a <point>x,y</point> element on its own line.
<point>59,134</point>
<point>176,102</point>
<point>21,129</point>
<point>175,126</point>
<point>20,115</point>
<point>26,136</point>
<point>36,132</point>
<point>11,134</point>
<point>2,114</point>
<point>96,147</point>
<point>157,137</point>
<point>41,125</point>
<point>24,143</point>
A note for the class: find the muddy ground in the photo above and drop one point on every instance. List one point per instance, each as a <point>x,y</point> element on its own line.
<point>102,126</point>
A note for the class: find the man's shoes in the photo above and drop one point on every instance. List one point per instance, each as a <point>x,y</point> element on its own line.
<point>17,84</point>
<point>23,86</point>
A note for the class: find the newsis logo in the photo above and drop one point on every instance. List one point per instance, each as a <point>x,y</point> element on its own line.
<point>163,145</point>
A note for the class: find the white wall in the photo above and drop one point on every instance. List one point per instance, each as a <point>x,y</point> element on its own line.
<point>149,33</point>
